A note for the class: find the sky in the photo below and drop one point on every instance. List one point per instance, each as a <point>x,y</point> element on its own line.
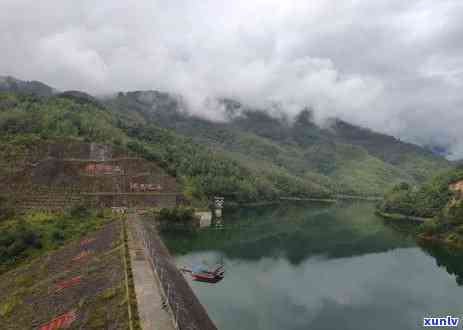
<point>390,65</point>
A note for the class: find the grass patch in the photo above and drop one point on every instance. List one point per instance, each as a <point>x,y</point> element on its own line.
<point>36,233</point>
<point>109,293</point>
<point>7,306</point>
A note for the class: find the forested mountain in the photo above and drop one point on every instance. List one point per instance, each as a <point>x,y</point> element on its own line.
<point>250,156</point>
<point>440,199</point>
<point>438,195</point>
<point>342,157</point>
<point>11,84</point>
<point>28,121</point>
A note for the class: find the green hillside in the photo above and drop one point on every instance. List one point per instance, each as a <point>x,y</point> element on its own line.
<point>435,200</point>
<point>11,84</point>
<point>429,200</point>
<point>252,156</point>
<point>343,158</point>
<point>28,122</point>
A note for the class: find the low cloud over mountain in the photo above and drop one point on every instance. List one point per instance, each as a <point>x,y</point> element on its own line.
<point>394,66</point>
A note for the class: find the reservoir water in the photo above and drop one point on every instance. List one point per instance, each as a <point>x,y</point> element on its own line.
<point>310,266</point>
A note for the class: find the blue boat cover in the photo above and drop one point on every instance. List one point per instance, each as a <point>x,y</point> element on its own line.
<point>199,268</point>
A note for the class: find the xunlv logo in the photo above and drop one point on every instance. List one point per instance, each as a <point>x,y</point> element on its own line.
<point>448,321</point>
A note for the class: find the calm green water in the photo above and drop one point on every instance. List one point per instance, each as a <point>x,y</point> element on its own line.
<point>308,266</point>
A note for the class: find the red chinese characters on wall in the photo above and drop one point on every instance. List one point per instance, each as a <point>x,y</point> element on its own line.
<point>82,255</point>
<point>68,283</point>
<point>87,241</point>
<point>62,321</point>
<point>143,187</point>
<point>93,169</point>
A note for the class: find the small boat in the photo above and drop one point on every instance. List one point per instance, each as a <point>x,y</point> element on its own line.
<point>202,273</point>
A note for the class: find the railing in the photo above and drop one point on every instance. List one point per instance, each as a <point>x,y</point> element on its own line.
<point>187,311</point>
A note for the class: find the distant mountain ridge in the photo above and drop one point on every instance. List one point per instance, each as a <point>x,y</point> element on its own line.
<point>345,157</point>
<point>340,159</point>
<point>11,84</point>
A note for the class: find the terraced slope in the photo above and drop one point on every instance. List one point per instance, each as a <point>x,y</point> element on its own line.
<point>81,284</point>
<point>58,175</point>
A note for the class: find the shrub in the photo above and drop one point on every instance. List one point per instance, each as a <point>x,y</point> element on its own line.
<point>455,214</point>
<point>79,211</point>
<point>459,230</point>
<point>452,237</point>
<point>6,208</point>
<point>431,227</point>
<point>16,241</point>
<point>58,235</point>
<point>179,215</point>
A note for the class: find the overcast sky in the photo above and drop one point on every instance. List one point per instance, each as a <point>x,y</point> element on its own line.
<point>395,66</point>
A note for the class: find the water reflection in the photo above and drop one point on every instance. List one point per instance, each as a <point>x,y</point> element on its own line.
<point>450,259</point>
<point>295,231</point>
<point>317,267</point>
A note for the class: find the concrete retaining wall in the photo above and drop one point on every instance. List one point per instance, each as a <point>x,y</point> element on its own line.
<point>56,201</point>
<point>186,308</point>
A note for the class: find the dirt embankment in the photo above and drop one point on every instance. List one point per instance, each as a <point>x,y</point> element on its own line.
<point>80,285</point>
<point>456,187</point>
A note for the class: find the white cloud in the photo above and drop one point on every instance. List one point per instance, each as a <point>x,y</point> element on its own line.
<point>390,65</point>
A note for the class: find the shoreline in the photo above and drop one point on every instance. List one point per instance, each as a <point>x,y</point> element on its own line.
<point>437,239</point>
<point>322,200</point>
<point>333,199</point>
<point>441,241</point>
<point>398,216</point>
<point>358,197</point>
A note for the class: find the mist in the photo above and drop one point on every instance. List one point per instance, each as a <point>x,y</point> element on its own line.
<point>393,66</point>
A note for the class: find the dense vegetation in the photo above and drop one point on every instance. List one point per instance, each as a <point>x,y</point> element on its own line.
<point>36,233</point>
<point>344,159</point>
<point>27,117</point>
<point>434,199</point>
<point>177,216</point>
<point>28,121</point>
<point>426,201</point>
<point>253,156</point>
